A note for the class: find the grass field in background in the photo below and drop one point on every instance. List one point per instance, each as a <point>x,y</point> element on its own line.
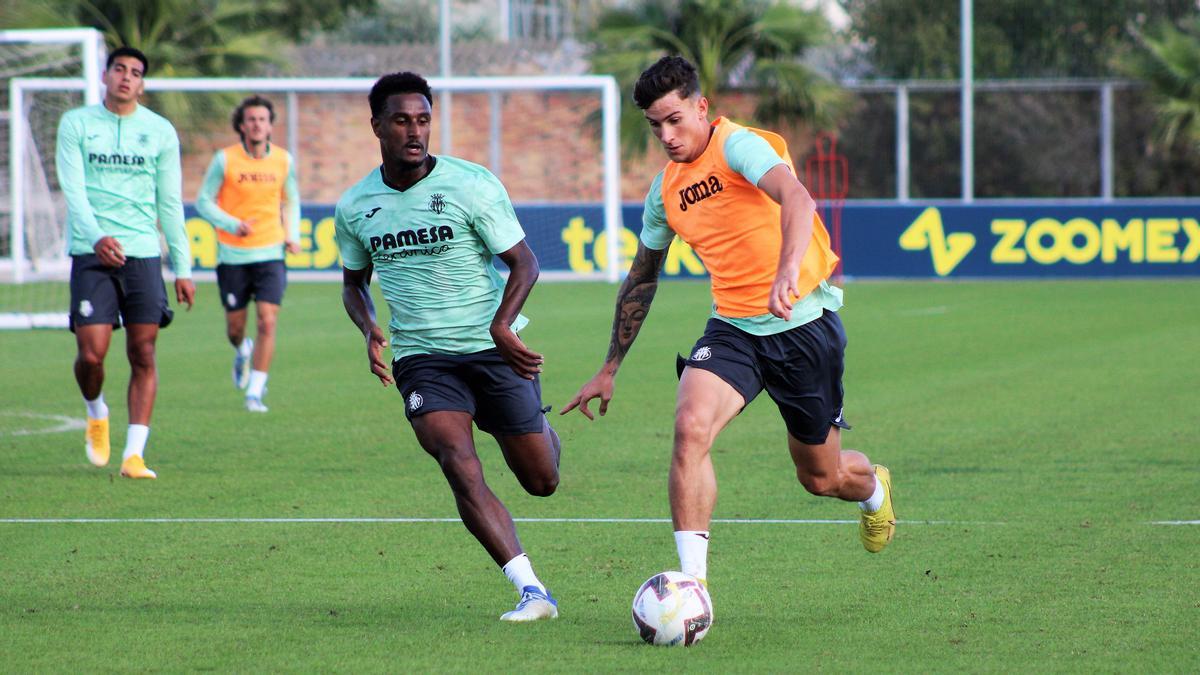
<point>1035,432</point>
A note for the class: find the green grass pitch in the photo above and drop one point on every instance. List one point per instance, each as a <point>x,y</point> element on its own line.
<point>1035,432</point>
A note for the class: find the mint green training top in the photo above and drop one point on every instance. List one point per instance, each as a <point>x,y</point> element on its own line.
<point>432,246</point>
<point>121,178</point>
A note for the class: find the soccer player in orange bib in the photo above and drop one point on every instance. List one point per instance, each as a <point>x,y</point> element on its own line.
<point>731,193</point>
<point>244,190</point>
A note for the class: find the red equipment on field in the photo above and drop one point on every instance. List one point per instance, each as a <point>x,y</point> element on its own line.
<point>827,177</point>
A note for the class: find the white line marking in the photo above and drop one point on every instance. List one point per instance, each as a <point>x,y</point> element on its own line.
<point>723,521</point>
<point>65,423</point>
<point>1175,522</point>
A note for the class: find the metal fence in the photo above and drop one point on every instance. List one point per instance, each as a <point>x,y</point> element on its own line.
<point>1084,105</point>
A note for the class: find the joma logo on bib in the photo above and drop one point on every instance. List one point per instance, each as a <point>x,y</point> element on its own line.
<point>699,191</point>
<point>257,177</point>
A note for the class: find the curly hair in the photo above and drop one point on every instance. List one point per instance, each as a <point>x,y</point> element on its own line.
<point>239,113</point>
<point>397,83</point>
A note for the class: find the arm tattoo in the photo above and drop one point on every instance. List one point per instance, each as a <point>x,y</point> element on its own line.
<point>633,301</point>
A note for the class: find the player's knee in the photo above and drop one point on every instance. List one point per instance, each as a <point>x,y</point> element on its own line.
<point>90,358</point>
<point>461,468</point>
<point>820,485</point>
<point>141,355</point>
<point>265,327</point>
<point>692,432</point>
<point>541,486</point>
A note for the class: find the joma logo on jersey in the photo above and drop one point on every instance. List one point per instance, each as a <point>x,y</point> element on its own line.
<point>116,158</point>
<point>699,191</point>
<point>425,235</point>
<point>256,177</point>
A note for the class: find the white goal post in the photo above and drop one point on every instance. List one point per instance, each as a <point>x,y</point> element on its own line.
<point>571,143</point>
<point>604,85</point>
<point>79,54</point>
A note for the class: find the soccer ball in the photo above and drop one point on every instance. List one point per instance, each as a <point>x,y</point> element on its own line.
<point>672,608</point>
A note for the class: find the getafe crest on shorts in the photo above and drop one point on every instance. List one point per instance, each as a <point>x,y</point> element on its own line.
<point>415,401</point>
<point>702,354</point>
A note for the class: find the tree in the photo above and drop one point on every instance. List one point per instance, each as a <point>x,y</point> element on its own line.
<point>190,37</point>
<point>1027,143</point>
<point>391,22</point>
<point>185,38</point>
<point>919,39</point>
<point>753,45</point>
<point>1168,59</point>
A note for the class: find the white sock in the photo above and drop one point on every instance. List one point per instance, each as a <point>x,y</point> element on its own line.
<point>520,572</point>
<point>258,383</point>
<point>875,501</point>
<point>693,552</point>
<point>246,348</point>
<point>97,409</point>
<point>135,440</point>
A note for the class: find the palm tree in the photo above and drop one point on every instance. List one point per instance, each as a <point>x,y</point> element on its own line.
<point>185,38</point>
<point>746,44</point>
<point>1168,59</point>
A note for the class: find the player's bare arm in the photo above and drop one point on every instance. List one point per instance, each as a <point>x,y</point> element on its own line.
<point>797,210</point>
<point>633,305</point>
<point>356,298</point>
<point>522,273</point>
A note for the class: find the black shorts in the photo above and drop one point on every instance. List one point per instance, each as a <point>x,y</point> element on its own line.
<point>131,293</point>
<point>481,384</point>
<point>262,281</point>
<point>800,368</point>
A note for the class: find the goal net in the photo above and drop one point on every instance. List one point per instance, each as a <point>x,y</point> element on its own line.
<point>552,141</point>
<point>43,73</point>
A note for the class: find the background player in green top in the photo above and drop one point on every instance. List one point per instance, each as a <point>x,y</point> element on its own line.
<point>430,227</point>
<point>118,165</point>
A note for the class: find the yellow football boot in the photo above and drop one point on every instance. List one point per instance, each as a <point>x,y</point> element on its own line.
<point>876,529</point>
<point>96,441</point>
<point>135,467</point>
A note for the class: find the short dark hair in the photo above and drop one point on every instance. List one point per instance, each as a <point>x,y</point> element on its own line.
<point>397,83</point>
<point>126,50</point>
<point>256,101</point>
<point>668,74</point>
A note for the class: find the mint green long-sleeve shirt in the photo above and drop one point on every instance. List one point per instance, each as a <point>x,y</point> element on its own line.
<point>121,177</point>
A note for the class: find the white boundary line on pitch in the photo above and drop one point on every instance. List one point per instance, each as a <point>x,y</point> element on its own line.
<point>1175,522</point>
<point>65,423</point>
<point>722,521</point>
